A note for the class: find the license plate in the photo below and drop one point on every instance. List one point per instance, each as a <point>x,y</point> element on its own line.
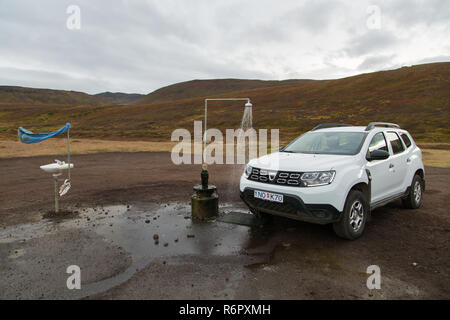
<point>269,196</point>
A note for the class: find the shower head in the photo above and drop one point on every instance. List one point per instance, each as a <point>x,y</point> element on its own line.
<point>248,104</point>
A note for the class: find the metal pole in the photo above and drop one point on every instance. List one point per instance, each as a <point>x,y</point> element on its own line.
<point>55,179</point>
<point>68,151</point>
<point>206,117</point>
<point>204,134</point>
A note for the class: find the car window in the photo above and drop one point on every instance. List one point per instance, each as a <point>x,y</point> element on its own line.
<point>406,140</point>
<point>345,143</point>
<point>396,144</point>
<point>378,143</point>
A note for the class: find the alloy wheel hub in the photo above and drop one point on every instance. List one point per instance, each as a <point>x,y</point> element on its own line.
<point>356,215</point>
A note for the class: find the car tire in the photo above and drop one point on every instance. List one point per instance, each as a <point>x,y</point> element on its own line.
<point>353,220</point>
<point>415,195</point>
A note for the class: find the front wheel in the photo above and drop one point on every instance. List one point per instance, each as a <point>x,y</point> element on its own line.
<point>353,220</point>
<point>414,198</point>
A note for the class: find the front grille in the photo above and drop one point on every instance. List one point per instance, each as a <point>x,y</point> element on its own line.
<point>284,178</point>
<point>293,207</point>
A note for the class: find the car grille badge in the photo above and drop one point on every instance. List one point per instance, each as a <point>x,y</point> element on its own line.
<point>272,175</point>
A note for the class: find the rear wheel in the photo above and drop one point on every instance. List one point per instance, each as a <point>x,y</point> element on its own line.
<point>414,198</point>
<point>353,220</point>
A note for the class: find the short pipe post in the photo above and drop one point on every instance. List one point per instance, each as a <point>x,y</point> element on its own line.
<point>205,201</point>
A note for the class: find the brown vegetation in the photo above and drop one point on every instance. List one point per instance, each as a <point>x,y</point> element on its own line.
<point>417,98</point>
<point>34,96</point>
<point>200,88</point>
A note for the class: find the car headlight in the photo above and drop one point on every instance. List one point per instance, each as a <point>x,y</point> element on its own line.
<point>248,171</point>
<point>318,178</point>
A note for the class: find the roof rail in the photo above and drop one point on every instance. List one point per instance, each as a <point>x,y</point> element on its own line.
<point>330,125</point>
<point>381,124</point>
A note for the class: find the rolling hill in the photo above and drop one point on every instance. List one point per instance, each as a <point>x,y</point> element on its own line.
<point>9,94</point>
<point>118,97</point>
<point>178,91</point>
<point>200,88</point>
<point>417,98</point>
<point>22,95</point>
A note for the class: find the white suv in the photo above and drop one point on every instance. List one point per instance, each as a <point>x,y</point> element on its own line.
<point>337,174</point>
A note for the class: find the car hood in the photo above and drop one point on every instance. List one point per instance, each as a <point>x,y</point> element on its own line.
<point>301,162</point>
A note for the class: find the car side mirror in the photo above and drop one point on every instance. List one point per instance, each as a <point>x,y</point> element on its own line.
<point>377,155</point>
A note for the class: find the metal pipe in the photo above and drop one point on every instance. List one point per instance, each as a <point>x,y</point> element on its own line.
<point>55,179</point>
<point>68,150</point>
<point>206,117</point>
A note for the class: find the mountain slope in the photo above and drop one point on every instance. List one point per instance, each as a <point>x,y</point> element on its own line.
<point>10,94</point>
<point>201,88</point>
<point>118,97</point>
<point>22,95</point>
<point>417,98</point>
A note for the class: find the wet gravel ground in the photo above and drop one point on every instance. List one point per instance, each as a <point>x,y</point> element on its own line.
<point>129,230</point>
<point>109,244</point>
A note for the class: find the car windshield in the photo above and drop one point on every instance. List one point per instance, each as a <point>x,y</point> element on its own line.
<point>345,143</point>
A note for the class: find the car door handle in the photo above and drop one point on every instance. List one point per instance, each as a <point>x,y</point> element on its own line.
<point>391,166</point>
<point>408,160</point>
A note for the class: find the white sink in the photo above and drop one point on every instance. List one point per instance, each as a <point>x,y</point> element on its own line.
<point>56,167</point>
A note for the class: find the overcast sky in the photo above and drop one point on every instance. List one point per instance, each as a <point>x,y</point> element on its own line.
<point>140,46</point>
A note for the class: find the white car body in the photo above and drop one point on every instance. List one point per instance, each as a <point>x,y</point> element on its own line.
<point>381,180</point>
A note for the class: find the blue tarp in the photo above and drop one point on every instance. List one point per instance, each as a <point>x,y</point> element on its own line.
<point>29,137</point>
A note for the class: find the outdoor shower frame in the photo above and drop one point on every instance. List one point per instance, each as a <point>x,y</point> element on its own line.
<point>56,175</point>
<point>206,117</point>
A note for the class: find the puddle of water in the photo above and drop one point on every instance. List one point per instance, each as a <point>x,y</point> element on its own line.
<point>133,228</point>
<point>241,218</point>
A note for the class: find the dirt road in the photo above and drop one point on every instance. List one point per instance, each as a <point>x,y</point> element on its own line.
<point>120,200</point>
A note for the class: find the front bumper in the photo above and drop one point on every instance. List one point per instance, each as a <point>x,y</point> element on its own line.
<point>292,207</point>
<point>333,194</point>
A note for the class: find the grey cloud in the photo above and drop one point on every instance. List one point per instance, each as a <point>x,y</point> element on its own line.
<point>376,62</point>
<point>316,16</point>
<point>408,13</point>
<point>370,42</point>
<point>44,79</point>
<point>435,59</point>
<point>135,46</point>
